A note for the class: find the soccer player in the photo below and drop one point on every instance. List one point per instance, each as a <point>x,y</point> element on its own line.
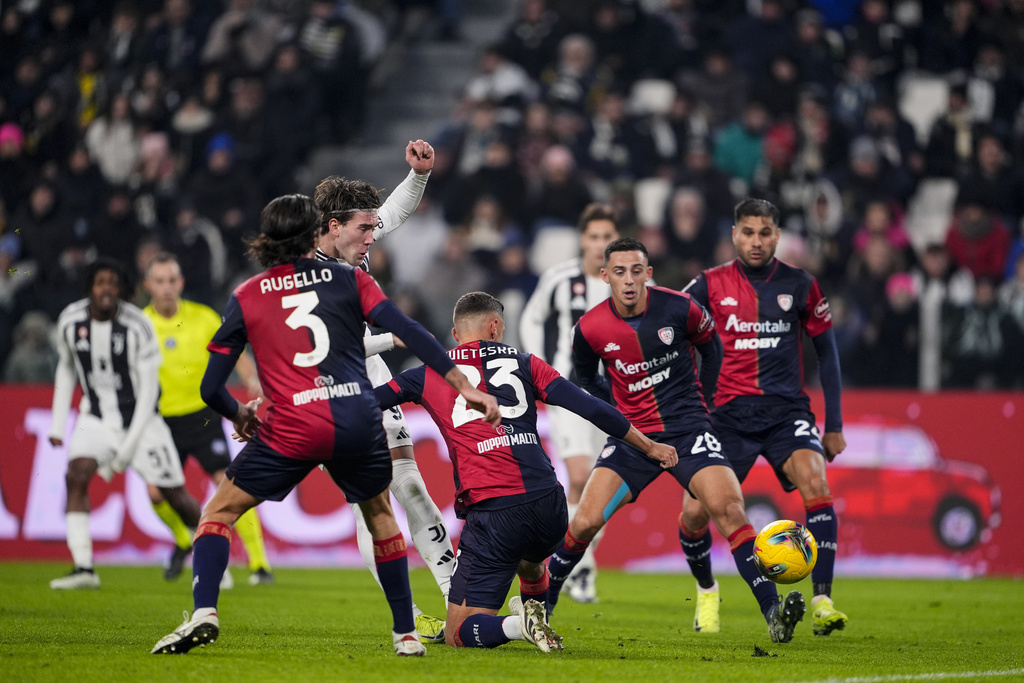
<point>646,337</point>
<point>514,507</point>
<point>183,329</point>
<point>304,319</point>
<point>762,307</point>
<point>351,223</point>
<point>112,348</point>
<point>565,292</point>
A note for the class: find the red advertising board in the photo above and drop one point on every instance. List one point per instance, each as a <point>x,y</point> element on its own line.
<point>926,488</point>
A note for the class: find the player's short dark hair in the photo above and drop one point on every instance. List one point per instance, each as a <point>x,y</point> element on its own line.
<point>162,257</point>
<point>625,244</point>
<point>339,198</point>
<point>124,280</point>
<point>288,230</point>
<point>597,212</point>
<point>475,303</point>
<point>756,207</point>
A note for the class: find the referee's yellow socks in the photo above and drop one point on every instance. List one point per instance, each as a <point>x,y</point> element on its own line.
<point>182,535</point>
<point>251,533</point>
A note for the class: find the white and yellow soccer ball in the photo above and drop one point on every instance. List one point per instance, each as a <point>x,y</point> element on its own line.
<point>785,551</point>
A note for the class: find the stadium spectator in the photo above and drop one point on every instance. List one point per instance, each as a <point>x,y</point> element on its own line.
<point>738,148</point>
<point>113,140</point>
<point>532,39</point>
<point>977,239</point>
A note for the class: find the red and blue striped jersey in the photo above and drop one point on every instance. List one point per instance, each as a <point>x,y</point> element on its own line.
<point>650,359</point>
<point>488,462</point>
<point>760,322</point>
<point>304,321</point>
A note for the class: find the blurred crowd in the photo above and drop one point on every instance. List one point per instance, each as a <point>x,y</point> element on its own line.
<point>890,133</point>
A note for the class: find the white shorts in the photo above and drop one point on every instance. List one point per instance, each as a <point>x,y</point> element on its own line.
<point>572,435</point>
<point>394,419</point>
<point>156,459</point>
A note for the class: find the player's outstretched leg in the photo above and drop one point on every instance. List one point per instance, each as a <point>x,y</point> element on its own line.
<point>582,582</point>
<point>426,525</point>
<point>533,624</point>
<point>783,616</point>
<point>824,526</point>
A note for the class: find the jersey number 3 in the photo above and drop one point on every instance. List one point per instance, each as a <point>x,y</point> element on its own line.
<point>502,368</point>
<point>302,316</point>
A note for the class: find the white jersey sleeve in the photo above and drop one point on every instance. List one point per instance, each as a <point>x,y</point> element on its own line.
<point>64,380</point>
<point>401,203</point>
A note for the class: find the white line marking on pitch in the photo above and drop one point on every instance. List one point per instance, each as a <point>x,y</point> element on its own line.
<point>940,676</point>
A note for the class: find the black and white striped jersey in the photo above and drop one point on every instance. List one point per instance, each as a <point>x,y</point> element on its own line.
<point>115,362</point>
<point>563,294</point>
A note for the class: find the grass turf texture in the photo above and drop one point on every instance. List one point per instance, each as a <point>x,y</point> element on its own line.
<point>335,625</point>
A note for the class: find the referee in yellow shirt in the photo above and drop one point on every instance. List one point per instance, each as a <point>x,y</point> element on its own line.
<point>184,328</point>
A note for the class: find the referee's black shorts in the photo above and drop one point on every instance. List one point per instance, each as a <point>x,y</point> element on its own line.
<point>201,435</point>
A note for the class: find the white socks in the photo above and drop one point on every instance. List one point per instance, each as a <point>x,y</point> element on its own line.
<point>79,538</point>
<point>426,525</point>
<point>510,625</point>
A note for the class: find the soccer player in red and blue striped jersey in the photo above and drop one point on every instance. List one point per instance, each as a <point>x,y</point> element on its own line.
<point>648,338</point>
<point>304,319</point>
<point>763,307</point>
<point>506,490</point>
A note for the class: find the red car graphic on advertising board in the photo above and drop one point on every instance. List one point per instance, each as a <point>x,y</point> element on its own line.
<point>893,493</point>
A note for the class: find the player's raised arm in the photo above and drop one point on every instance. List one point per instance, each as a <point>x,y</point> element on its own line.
<point>402,202</point>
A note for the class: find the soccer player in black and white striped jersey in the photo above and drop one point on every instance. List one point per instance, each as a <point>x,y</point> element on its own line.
<point>112,349</point>
<point>564,293</point>
<point>353,218</point>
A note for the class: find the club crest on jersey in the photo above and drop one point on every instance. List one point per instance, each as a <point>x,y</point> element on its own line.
<point>170,343</point>
<point>504,429</point>
<point>323,381</point>
<point>579,288</point>
<point>117,339</point>
<point>785,301</point>
<point>82,343</point>
<point>666,335</point>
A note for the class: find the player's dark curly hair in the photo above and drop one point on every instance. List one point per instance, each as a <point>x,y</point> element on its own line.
<point>475,303</point>
<point>339,198</point>
<point>597,212</point>
<point>756,207</point>
<point>288,230</point>
<point>124,278</point>
<point>625,244</point>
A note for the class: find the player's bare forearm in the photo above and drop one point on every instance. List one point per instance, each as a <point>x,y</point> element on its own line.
<point>834,443</point>
<point>664,454</point>
<point>475,399</point>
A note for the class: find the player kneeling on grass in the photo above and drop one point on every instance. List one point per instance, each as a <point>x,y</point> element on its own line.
<point>304,319</point>
<point>506,488</point>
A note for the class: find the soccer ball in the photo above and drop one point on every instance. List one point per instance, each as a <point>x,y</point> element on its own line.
<point>785,551</point>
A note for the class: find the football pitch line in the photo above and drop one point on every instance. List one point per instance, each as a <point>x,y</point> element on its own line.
<point>938,676</point>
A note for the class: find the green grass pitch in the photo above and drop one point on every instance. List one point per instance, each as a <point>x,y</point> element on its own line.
<point>333,625</point>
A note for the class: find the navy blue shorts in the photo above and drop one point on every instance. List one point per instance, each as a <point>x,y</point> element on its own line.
<point>262,472</point>
<point>773,430</point>
<point>697,449</point>
<point>493,541</point>
<point>200,435</point>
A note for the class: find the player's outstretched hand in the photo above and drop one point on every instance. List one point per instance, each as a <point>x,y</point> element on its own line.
<point>420,155</point>
<point>834,443</point>
<point>246,422</point>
